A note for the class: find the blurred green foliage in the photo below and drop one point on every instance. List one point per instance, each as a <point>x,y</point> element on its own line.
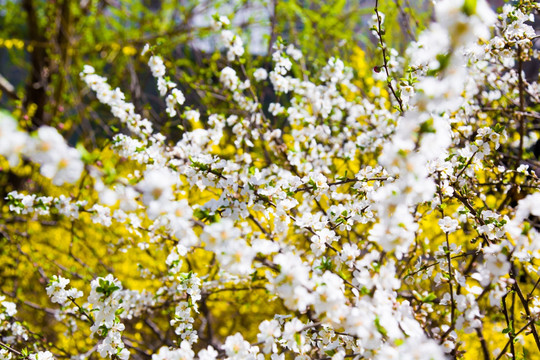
<point>44,45</point>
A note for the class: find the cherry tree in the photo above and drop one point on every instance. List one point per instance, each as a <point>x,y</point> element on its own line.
<point>379,227</point>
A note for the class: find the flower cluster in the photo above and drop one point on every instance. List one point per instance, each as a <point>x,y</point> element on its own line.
<point>106,304</point>
<point>41,205</point>
<point>189,289</point>
<point>15,330</point>
<point>47,148</point>
<point>57,292</point>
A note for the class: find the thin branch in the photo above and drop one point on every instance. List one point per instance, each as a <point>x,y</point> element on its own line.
<point>379,32</point>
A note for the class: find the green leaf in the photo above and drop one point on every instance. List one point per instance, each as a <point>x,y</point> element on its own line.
<point>469,7</point>
<point>427,127</point>
<point>86,157</point>
<point>379,327</point>
<point>429,298</point>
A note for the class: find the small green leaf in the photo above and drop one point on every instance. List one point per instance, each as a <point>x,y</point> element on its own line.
<point>469,7</point>
<point>379,327</point>
<point>429,298</point>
